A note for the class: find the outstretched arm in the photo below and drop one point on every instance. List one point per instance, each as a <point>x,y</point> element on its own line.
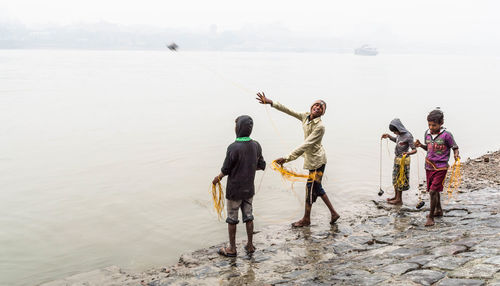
<point>385,135</point>
<point>261,97</point>
<point>419,144</point>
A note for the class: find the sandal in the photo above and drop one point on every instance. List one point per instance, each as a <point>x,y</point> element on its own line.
<point>222,251</point>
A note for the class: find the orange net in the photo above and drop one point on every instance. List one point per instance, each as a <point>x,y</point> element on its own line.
<point>293,176</point>
<point>218,199</point>
<point>455,178</point>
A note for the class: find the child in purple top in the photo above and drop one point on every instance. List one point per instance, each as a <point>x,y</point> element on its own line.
<point>438,142</point>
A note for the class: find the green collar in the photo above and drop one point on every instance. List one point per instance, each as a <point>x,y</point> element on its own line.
<point>243,139</point>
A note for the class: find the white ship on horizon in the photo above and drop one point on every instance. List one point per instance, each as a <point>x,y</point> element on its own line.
<point>366,50</point>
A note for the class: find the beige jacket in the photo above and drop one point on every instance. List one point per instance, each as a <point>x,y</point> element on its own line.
<point>311,149</point>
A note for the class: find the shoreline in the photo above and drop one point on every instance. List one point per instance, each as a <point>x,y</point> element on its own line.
<point>386,246</point>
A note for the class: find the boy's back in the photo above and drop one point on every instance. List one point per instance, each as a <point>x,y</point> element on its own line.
<point>243,158</point>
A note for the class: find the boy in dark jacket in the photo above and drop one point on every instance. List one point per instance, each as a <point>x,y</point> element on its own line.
<point>243,158</point>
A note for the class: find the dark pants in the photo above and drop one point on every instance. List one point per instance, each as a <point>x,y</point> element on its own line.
<point>313,186</point>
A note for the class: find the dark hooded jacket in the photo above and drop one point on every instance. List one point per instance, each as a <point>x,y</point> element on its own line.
<point>404,141</point>
<point>243,158</point>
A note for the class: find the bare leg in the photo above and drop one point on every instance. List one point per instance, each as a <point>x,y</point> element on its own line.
<point>398,200</point>
<point>430,216</point>
<point>334,214</point>
<point>439,211</point>
<point>250,248</point>
<point>232,238</point>
<point>306,220</point>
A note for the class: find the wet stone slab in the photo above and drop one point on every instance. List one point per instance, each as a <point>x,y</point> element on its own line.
<point>405,252</point>
<point>447,262</point>
<point>461,282</point>
<point>399,268</point>
<point>493,260</point>
<point>424,277</point>
<point>449,250</point>
<point>484,271</point>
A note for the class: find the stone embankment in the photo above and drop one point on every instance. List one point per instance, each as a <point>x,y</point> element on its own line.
<point>387,246</point>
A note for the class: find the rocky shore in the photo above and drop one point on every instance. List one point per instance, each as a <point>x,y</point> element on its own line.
<point>387,246</point>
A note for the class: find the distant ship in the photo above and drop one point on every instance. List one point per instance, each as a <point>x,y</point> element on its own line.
<point>366,50</point>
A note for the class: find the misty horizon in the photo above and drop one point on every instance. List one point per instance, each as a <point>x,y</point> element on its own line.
<point>250,38</point>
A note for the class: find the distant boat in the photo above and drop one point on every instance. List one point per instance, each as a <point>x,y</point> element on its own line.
<point>366,50</point>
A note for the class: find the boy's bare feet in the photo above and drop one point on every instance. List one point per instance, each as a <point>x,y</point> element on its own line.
<point>395,202</point>
<point>250,248</point>
<point>430,221</point>
<point>334,218</point>
<point>391,199</point>
<point>438,213</point>
<point>301,223</point>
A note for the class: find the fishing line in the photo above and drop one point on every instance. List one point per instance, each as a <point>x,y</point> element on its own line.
<point>421,202</point>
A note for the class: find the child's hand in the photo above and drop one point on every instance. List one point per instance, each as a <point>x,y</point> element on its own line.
<point>216,180</point>
<point>385,135</point>
<point>418,144</point>
<point>280,161</point>
<point>263,99</point>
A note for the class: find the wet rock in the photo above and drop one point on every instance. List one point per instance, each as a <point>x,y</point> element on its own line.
<point>457,213</point>
<point>447,262</point>
<point>493,260</point>
<point>476,271</point>
<point>384,240</point>
<point>421,259</point>
<point>405,252</point>
<point>342,247</point>
<point>468,242</point>
<point>449,250</point>
<point>461,282</point>
<point>294,274</point>
<point>365,239</point>
<point>424,277</point>
<point>351,276</point>
<point>400,268</point>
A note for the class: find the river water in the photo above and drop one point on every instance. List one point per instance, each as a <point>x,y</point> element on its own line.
<point>106,157</point>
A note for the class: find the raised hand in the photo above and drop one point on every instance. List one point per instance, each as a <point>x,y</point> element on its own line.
<point>263,99</point>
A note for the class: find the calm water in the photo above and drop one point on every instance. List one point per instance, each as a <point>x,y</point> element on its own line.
<point>106,157</point>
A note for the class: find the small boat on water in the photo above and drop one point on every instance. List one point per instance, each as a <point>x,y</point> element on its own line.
<point>366,50</point>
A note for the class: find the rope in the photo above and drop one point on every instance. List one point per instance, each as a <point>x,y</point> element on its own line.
<point>218,199</point>
<point>380,192</point>
<point>455,178</point>
<point>292,176</point>
<point>402,179</point>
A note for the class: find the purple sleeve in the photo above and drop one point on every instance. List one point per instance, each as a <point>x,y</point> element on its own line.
<point>450,141</point>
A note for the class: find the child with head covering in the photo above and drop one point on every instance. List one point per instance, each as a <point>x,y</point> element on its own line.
<point>404,141</point>
<point>243,158</point>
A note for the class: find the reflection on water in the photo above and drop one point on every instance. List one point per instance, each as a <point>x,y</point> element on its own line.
<point>107,157</point>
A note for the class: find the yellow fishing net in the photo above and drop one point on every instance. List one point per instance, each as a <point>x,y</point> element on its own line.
<point>293,176</point>
<point>218,199</point>
<point>455,178</point>
<point>402,179</point>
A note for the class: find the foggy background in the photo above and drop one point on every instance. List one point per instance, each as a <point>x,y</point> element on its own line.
<point>438,27</point>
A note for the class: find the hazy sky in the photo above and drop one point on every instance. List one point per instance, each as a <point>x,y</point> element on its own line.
<point>422,18</point>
